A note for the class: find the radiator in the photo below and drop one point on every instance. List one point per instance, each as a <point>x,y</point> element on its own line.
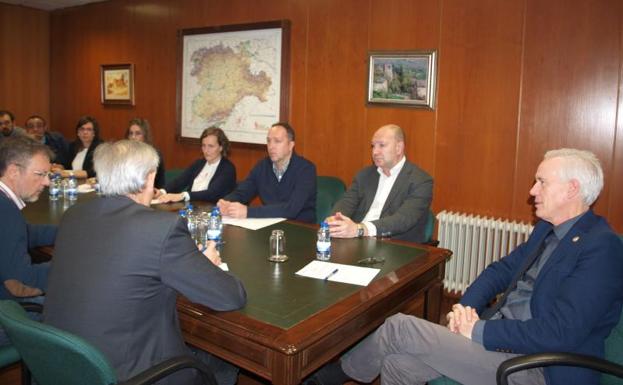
<point>475,242</point>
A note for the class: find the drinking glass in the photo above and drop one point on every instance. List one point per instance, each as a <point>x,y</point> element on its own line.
<point>277,246</point>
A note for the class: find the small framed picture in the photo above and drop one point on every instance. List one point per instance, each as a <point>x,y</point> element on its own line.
<point>404,78</point>
<point>117,84</point>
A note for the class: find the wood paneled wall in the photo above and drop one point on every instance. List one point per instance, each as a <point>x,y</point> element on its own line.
<point>515,78</point>
<point>24,61</point>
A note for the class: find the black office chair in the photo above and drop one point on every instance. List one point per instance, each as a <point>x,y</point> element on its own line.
<point>538,360</point>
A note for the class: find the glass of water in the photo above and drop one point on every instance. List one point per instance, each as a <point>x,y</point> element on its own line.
<point>277,246</point>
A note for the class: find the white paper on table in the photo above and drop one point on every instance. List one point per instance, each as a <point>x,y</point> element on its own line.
<point>85,188</point>
<point>224,266</point>
<point>252,223</point>
<point>355,275</point>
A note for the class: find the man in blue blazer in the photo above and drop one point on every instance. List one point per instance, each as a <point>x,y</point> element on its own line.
<point>562,292</point>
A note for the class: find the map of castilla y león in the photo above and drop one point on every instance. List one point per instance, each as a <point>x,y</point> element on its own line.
<point>232,80</point>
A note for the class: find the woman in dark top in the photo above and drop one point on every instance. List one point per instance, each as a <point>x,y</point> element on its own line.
<point>80,159</point>
<point>208,179</point>
<point>140,129</point>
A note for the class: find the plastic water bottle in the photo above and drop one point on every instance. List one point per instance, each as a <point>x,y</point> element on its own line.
<point>55,187</point>
<point>215,225</point>
<point>72,188</point>
<point>189,209</point>
<point>323,244</point>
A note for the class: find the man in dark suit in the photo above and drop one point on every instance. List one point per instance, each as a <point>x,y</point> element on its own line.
<point>24,167</point>
<point>7,125</point>
<point>562,292</point>
<point>37,128</point>
<point>390,198</point>
<point>119,265</point>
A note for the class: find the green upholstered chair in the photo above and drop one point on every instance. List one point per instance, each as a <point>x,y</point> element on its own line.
<point>9,355</point>
<point>171,174</point>
<point>430,227</point>
<point>443,381</point>
<point>57,357</point>
<point>612,364</point>
<point>329,190</point>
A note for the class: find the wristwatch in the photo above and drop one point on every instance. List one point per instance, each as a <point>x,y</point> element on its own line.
<point>360,230</point>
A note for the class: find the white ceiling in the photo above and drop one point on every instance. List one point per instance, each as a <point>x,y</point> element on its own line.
<point>49,5</point>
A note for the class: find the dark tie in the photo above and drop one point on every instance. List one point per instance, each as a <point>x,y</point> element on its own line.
<point>489,312</point>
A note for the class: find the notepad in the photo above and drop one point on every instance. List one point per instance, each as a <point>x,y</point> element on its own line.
<point>354,275</point>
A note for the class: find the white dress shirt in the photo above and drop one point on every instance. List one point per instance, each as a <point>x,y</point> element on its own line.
<point>382,192</point>
<point>202,180</point>
<point>78,162</point>
<point>11,195</point>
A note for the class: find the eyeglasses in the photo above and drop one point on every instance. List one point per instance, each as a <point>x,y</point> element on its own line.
<point>35,125</point>
<point>42,174</point>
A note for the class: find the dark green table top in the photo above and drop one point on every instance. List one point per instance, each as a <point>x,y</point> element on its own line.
<point>276,295</point>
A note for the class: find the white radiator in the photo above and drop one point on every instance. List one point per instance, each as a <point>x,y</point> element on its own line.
<point>475,242</point>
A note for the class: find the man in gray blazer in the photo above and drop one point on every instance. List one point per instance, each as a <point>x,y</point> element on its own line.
<point>119,265</point>
<point>391,198</point>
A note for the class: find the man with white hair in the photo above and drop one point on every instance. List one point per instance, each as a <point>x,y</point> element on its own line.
<point>119,265</point>
<point>562,292</point>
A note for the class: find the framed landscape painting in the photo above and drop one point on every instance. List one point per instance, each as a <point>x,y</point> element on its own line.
<point>402,78</point>
<point>117,83</point>
<point>235,77</point>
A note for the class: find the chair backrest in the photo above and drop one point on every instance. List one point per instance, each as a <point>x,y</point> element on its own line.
<point>614,349</point>
<point>430,226</point>
<point>8,356</point>
<point>614,352</point>
<point>52,355</point>
<point>171,174</point>
<point>329,190</point>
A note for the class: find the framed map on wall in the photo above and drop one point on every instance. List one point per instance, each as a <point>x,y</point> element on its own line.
<point>235,77</point>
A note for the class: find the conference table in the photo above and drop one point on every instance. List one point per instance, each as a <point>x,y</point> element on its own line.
<point>291,324</point>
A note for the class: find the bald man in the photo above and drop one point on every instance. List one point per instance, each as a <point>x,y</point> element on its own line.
<point>390,198</point>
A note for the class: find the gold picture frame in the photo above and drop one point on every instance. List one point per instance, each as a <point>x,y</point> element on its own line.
<point>402,78</point>
<point>117,84</point>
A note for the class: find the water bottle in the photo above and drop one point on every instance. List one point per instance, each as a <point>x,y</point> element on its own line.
<point>323,244</point>
<point>72,188</point>
<point>189,209</point>
<point>55,187</point>
<point>215,225</point>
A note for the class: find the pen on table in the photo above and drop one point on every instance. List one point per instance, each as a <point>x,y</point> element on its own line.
<point>331,274</point>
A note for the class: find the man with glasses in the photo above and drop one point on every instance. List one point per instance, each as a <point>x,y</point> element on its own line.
<point>24,168</point>
<point>7,125</point>
<point>37,128</point>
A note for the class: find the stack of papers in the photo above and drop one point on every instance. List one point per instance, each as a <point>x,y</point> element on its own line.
<point>252,223</point>
<point>336,272</point>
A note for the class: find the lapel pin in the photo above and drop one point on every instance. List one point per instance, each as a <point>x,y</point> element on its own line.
<point>576,238</point>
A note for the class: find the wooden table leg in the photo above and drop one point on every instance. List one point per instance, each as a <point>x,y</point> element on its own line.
<point>286,369</point>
